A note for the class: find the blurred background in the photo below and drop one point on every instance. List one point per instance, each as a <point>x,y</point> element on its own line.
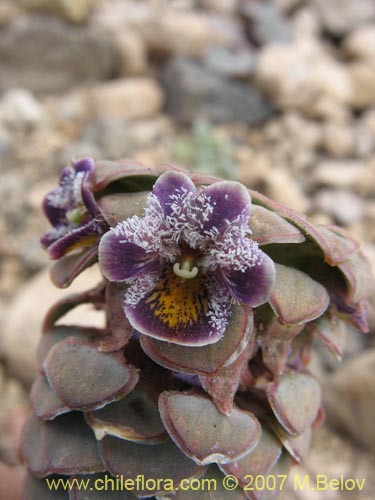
<point>278,94</point>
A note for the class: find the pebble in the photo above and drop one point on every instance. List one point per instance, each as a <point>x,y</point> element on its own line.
<point>340,17</point>
<point>127,99</point>
<point>20,110</point>
<point>360,44</point>
<point>285,189</point>
<point>194,92</point>
<point>75,11</point>
<point>345,206</point>
<point>60,56</point>
<point>338,139</point>
<point>349,398</point>
<point>344,174</point>
<point>363,85</point>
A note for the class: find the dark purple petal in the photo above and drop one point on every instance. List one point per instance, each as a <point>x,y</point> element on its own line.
<point>193,312</point>
<point>168,185</point>
<point>121,260</point>
<point>84,165</point>
<point>254,285</point>
<point>230,201</point>
<point>81,236</point>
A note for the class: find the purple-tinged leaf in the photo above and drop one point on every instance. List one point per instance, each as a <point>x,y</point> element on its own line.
<point>275,341</point>
<point>85,378</point>
<point>268,227</point>
<point>33,446</point>
<point>164,463</point>
<point>45,403</point>
<point>222,387</point>
<point>207,359</point>
<point>71,446</point>
<point>297,298</point>
<point>69,267</point>
<point>121,206</point>
<point>204,433</point>
<point>297,446</point>
<point>118,327</point>
<point>38,489</point>
<point>332,331</point>
<point>134,418</point>
<point>259,462</point>
<point>295,399</point>
<point>359,278</point>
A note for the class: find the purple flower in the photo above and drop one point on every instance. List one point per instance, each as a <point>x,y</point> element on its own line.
<point>187,260</point>
<point>72,210</point>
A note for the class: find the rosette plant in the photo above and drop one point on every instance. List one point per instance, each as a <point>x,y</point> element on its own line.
<point>214,296</point>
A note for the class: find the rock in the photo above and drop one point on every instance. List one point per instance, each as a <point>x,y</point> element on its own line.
<point>233,63</point>
<point>349,398</point>
<point>75,11</point>
<point>344,174</point>
<point>22,324</point>
<point>363,85</point>
<point>346,207</point>
<point>169,30</point>
<point>264,22</point>
<point>127,99</point>
<point>59,57</point>
<point>338,140</point>
<point>20,110</point>
<point>132,52</point>
<point>8,11</point>
<point>340,17</point>
<point>193,92</point>
<point>298,75</point>
<point>360,43</point>
<point>282,187</point>
<point>110,136</point>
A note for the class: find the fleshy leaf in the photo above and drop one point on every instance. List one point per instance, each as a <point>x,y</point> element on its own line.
<point>69,267</point>
<point>207,359</point>
<point>297,298</point>
<point>56,335</point>
<point>275,341</point>
<point>134,418</point>
<point>297,446</point>
<point>332,332</point>
<point>118,327</point>
<point>107,488</point>
<point>268,227</point>
<point>38,489</point>
<point>45,403</point>
<point>203,433</point>
<point>160,462</point>
<point>85,378</point>
<point>33,446</point>
<point>295,399</point>
<point>358,275</point>
<point>71,446</point>
<point>222,387</point>
<point>259,462</point>
<point>65,445</point>
<point>117,207</point>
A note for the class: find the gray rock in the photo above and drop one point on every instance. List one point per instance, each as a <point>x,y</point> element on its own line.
<point>349,398</point>
<point>231,63</point>
<point>265,23</point>
<point>346,207</point>
<point>340,17</point>
<point>45,54</point>
<point>194,92</point>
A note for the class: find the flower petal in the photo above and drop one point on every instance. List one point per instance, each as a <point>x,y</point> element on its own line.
<point>230,201</point>
<point>252,286</point>
<point>187,312</point>
<point>168,186</point>
<point>122,260</point>
<point>81,236</point>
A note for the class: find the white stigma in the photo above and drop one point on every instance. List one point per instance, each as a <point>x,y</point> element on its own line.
<point>184,271</point>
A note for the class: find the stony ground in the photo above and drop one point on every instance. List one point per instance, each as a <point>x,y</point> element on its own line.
<point>278,94</point>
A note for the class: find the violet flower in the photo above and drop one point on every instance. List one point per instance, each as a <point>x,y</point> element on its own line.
<point>187,260</point>
<point>72,211</point>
